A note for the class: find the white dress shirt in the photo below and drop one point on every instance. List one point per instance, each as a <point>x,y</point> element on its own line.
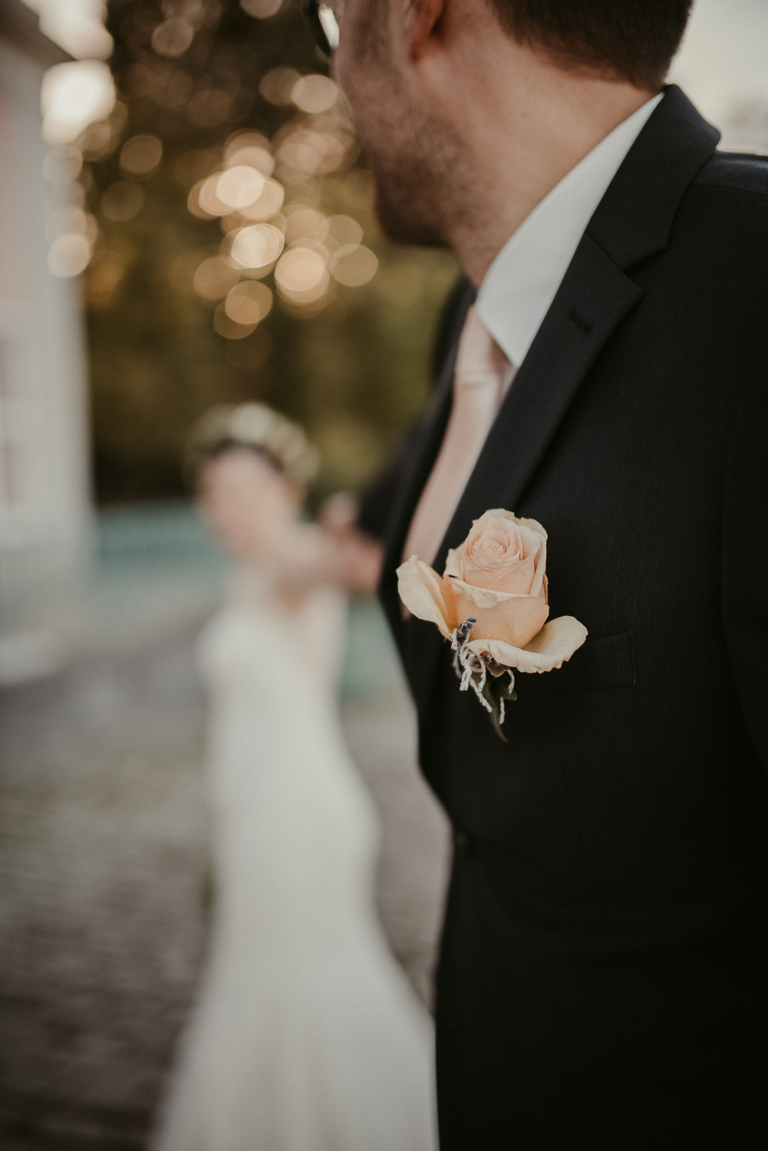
<point>522,281</point>
<point>514,298</point>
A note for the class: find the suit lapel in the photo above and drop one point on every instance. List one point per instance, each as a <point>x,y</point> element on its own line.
<point>632,223</point>
<point>592,300</point>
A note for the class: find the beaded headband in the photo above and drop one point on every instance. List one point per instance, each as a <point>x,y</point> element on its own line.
<point>254,426</point>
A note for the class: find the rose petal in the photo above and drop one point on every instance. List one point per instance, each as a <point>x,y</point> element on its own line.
<point>515,621</point>
<point>480,597</point>
<point>426,595</point>
<point>503,514</point>
<point>452,569</point>
<point>532,525</point>
<point>538,581</point>
<point>558,640</point>
<point>549,649</point>
<point>500,531</point>
<point>531,541</point>
<point>518,578</point>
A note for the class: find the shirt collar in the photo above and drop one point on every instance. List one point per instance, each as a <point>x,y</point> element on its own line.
<point>522,281</point>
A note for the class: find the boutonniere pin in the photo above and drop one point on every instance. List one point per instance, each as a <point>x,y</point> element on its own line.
<point>492,604</point>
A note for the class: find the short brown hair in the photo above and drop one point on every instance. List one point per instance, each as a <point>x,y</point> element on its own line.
<point>633,40</point>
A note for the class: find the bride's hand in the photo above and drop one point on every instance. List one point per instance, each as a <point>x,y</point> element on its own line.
<point>357,557</point>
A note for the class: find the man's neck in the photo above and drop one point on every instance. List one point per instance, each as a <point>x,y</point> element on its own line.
<point>520,147</point>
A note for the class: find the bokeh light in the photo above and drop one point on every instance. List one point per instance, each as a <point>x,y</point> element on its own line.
<point>240,186</point>
<point>77,25</point>
<point>277,86</point>
<point>261,9</point>
<point>301,275</point>
<point>69,255</point>
<point>353,265</point>
<point>173,37</point>
<point>248,302</point>
<point>73,96</point>
<point>308,150</point>
<point>314,93</point>
<point>304,223</point>
<point>222,196</point>
<point>267,195</point>
<point>228,328</point>
<point>256,246</point>
<point>268,204</point>
<point>141,155</point>
<point>203,201</point>
<point>345,229</point>
<point>214,278</point>
<point>249,148</point>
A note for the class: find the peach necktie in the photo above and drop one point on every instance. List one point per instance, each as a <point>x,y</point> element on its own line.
<point>483,374</point>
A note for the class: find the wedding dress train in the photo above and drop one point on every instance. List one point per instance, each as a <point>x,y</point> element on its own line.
<point>306,1035</point>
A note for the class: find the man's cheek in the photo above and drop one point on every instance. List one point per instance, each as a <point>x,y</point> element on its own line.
<point>353,97</point>
<point>339,69</point>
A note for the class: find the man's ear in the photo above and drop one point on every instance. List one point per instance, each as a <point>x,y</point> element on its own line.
<point>421,19</point>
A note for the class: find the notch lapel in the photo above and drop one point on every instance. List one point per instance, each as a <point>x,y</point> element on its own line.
<point>632,223</point>
<point>591,301</point>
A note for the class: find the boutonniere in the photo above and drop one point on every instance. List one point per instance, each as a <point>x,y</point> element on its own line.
<point>492,604</point>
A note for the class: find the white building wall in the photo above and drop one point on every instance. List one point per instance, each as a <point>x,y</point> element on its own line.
<point>44,488</point>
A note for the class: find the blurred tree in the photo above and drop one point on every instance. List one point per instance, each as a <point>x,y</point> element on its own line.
<point>186,265</point>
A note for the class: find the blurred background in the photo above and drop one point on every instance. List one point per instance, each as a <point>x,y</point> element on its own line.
<point>185,219</point>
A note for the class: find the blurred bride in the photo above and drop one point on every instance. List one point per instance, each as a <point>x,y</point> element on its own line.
<point>306,1035</point>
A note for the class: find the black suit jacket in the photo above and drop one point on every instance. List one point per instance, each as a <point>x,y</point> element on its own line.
<point>604,969</point>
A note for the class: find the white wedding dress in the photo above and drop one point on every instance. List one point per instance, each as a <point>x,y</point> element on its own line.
<point>306,1035</point>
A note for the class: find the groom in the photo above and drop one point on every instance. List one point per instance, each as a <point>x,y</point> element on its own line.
<point>603,980</point>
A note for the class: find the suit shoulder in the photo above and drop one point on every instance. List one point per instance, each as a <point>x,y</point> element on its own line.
<point>737,172</point>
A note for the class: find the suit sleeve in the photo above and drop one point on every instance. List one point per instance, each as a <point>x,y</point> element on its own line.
<point>745,558</point>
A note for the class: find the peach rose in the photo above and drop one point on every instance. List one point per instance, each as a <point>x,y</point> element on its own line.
<point>498,578</point>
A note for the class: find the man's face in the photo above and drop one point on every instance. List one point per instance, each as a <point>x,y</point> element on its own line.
<point>406,147</point>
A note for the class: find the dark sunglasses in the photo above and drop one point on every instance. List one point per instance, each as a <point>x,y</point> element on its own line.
<point>324,21</point>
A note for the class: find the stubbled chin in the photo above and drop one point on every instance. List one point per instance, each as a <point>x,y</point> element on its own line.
<point>399,220</point>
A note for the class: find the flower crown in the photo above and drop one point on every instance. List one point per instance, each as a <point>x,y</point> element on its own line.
<point>254,426</point>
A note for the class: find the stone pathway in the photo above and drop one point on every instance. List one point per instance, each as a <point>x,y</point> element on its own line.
<point>102,885</point>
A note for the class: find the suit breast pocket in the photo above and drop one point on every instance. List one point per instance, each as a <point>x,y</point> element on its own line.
<point>601,663</point>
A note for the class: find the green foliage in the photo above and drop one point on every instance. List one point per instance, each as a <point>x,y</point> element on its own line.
<point>355,372</point>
